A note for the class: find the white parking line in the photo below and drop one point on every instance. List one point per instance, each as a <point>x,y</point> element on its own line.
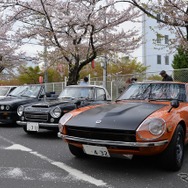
<point>32,174</point>
<point>77,174</point>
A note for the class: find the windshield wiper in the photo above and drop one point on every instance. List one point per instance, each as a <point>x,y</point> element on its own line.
<point>30,96</point>
<point>12,95</point>
<point>68,98</point>
<point>124,99</point>
<point>164,99</point>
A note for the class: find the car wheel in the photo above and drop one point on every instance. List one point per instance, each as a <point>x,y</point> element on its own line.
<point>174,153</point>
<point>76,151</point>
<point>28,132</point>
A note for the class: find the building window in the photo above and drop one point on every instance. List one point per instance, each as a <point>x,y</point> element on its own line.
<point>158,18</point>
<point>166,60</point>
<point>158,38</point>
<point>158,59</point>
<point>166,39</point>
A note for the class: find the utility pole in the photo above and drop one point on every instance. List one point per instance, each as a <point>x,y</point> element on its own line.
<point>105,71</point>
<point>45,64</point>
<point>45,57</point>
<point>105,55</point>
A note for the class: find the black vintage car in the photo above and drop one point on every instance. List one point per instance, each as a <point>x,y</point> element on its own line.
<point>46,115</point>
<point>21,95</point>
<point>5,90</point>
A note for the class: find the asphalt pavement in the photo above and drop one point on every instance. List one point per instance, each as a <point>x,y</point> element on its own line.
<point>44,160</point>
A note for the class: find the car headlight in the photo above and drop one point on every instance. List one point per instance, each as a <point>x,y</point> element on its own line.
<point>66,117</point>
<point>2,107</point>
<point>20,110</point>
<point>55,112</point>
<point>7,107</point>
<point>151,128</point>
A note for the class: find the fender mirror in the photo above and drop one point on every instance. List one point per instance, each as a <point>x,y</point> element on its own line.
<point>174,104</point>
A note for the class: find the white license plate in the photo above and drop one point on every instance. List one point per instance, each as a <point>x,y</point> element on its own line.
<point>96,150</point>
<point>32,126</point>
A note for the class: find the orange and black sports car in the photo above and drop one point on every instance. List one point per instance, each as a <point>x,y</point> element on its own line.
<point>149,118</point>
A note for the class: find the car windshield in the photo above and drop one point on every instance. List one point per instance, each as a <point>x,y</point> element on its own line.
<point>26,91</point>
<point>154,91</point>
<point>77,92</point>
<point>4,91</point>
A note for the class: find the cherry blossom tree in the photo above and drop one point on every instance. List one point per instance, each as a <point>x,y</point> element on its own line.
<point>75,31</point>
<point>170,13</point>
<point>9,58</point>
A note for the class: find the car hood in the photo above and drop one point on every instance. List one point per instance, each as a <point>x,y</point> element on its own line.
<point>14,100</point>
<point>118,116</point>
<point>51,103</point>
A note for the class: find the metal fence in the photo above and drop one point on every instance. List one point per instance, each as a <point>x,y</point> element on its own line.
<point>117,83</point>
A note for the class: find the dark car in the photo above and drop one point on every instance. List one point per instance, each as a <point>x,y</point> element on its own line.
<point>46,115</point>
<point>5,90</point>
<point>149,118</point>
<point>21,95</point>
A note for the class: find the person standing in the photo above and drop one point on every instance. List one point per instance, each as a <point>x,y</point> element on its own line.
<point>85,81</point>
<point>165,76</point>
<point>85,90</point>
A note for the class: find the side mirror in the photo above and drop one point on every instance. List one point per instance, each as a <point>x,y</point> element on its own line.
<point>77,103</point>
<point>174,104</point>
<point>48,94</point>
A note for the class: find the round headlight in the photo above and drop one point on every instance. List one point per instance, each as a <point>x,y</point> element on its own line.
<point>65,118</point>
<point>2,107</point>
<point>151,128</point>
<point>7,107</point>
<point>55,112</point>
<point>156,126</point>
<point>20,110</point>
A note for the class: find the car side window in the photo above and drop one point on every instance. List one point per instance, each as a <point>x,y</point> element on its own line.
<point>186,92</point>
<point>11,89</point>
<point>100,94</point>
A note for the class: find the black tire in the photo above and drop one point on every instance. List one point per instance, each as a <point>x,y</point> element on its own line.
<point>172,157</point>
<point>76,151</point>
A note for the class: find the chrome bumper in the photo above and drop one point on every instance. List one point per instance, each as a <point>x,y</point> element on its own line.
<point>47,125</point>
<point>113,143</point>
<point>59,135</point>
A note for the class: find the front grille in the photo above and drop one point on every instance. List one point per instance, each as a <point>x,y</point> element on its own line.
<point>36,117</point>
<point>102,134</point>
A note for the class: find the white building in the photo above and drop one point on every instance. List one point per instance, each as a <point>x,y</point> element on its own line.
<point>154,51</point>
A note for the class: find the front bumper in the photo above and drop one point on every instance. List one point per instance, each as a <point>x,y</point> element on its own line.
<point>113,143</point>
<point>41,124</point>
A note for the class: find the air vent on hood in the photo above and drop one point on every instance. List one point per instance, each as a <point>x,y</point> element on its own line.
<point>41,105</point>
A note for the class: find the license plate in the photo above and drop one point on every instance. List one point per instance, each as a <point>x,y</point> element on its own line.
<point>32,126</point>
<point>96,150</point>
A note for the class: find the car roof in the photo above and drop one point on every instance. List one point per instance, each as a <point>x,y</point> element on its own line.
<point>8,86</point>
<point>85,86</point>
<point>162,82</point>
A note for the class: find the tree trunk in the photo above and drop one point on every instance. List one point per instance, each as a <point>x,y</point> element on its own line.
<point>73,76</point>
